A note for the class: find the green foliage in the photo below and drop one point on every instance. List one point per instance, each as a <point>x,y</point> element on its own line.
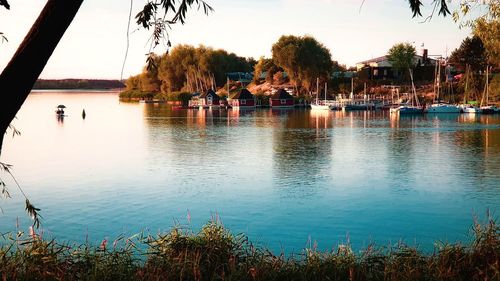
<point>184,97</point>
<point>440,5</point>
<point>494,93</point>
<point>402,56</point>
<point>489,32</point>
<point>154,16</point>
<point>186,68</point>
<point>214,253</point>
<point>471,52</point>
<point>136,95</point>
<point>303,58</point>
<point>267,66</point>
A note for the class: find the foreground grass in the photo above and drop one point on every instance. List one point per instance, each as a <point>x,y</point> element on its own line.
<point>216,254</point>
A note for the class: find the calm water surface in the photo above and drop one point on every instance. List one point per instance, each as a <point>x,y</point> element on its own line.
<point>284,177</point>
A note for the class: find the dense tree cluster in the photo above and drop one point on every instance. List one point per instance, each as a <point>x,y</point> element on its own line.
<point>471,53</point>
<point>188,68</point>
<point>304,59</point>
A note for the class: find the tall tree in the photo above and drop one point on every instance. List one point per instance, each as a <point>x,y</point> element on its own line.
<point>303,58</point>
<point>471,52</point>
<point>402,56</point>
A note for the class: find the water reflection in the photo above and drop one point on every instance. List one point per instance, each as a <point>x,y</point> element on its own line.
<point>277,175</point>
<point>302,151</point>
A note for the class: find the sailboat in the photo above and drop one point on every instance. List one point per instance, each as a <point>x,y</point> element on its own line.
<point>439,106</point>
<point>466,107</point>
<point>317,104</point>
<point>413,107</point>
<point>487,109</point>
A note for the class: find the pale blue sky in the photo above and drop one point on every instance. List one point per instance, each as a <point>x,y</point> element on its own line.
<point>94,45</point>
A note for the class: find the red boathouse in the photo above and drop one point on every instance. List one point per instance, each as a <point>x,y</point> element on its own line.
<point>281,99</point>
<point>243,99</point>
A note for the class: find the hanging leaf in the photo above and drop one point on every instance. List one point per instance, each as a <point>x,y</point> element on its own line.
<point>33,212</point>
<point>415,7</point>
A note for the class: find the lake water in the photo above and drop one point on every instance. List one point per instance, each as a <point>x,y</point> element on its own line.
<point>283,177</point>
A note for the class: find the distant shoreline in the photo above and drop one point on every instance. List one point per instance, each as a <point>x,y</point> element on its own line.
<point>77,91</point>
<point>78,84</point>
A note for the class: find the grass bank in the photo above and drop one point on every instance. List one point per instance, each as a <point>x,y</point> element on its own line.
<point>214,253</point>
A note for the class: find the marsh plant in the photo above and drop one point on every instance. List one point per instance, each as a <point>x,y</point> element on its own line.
<point>214,253</point>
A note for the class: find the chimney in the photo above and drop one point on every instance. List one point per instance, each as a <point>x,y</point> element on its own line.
<point>425,54</point>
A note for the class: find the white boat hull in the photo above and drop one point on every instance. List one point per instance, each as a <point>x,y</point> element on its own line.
<point>471,110</point>
<point>320,107</point>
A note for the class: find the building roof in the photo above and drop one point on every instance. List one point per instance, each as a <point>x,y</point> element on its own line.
<point>244,94</point>
<point>281,94</point>
<point>239,76</point>
<point>379,59</point>
<point>385,58</point>
<point>212,93</point>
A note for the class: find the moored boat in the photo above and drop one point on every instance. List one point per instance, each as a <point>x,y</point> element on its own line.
<point>407,109</point>
<point>442,108</point>
<point>319,106</point>
<point>489,109</point>
<point>468,108</point>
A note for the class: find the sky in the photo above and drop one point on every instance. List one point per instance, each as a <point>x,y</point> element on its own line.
<point>94,45</point>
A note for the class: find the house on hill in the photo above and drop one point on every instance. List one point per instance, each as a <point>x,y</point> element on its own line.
<point>381,68</point>
<point>281,99</point>
<point>244,78</point>
<point>242,99</point>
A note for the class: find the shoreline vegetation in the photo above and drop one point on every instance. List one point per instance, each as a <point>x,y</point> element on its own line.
<point>306,67</point>
<point>214,253</point>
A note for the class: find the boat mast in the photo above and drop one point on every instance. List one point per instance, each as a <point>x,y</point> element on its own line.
<point>438,79</point>
<point>413,90</point>
<point>352,88</point>
<point>466,83</point>
<point>317,90</point>
<point>486,87</point>
<point>326,88</point>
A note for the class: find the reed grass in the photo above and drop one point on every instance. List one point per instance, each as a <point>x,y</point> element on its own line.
<point>214,253</point>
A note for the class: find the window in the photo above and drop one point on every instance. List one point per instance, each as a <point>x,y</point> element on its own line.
<point>375,72</point>
<point>283,101</point>
<point>243,102</point>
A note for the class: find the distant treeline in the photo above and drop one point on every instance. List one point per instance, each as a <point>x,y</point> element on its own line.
<point>69,84</point>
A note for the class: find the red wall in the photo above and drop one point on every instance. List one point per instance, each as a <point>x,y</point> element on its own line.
<point>277,103</point>
<point>248,103</point>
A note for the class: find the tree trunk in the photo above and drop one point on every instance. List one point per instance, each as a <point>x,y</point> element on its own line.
<point>19,76</point>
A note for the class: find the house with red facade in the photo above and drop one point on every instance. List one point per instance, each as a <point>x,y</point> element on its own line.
<point>243,99</point>
<point>210,98</point>
<point>281,99</point>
